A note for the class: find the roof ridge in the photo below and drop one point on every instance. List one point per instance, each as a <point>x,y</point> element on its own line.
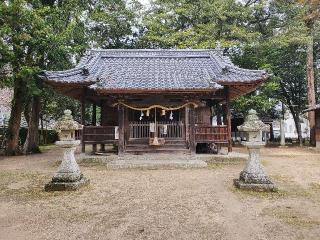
<point>154,50</point>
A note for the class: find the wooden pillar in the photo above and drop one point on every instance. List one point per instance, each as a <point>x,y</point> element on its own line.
<point>187,124</point>
<point>94,123</point>
<point>102,122</point>
<point>121,125</point>
<point>126,125</point>
<point>228,118</point>
<point>83,121</point>
<point>218,109</point>
<point>192,143</point>
<point>224,114</point>
<point>94,115</point>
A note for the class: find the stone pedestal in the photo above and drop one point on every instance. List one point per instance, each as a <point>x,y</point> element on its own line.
<point>68,177</point>
<point>253,176</point>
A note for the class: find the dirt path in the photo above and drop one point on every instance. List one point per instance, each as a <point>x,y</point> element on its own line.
<point>162,204</point>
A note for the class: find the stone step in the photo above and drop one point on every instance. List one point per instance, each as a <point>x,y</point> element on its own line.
<point>158,161</point>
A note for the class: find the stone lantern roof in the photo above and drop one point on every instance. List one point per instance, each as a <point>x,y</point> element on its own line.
<point>66,122</point>
<point>252,123</point>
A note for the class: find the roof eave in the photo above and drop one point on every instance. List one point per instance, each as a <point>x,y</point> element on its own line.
<point>136,91</point>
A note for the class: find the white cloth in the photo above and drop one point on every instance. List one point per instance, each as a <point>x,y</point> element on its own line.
<point>152,127</point>
<point>165,129</point>
<point>116,132</point>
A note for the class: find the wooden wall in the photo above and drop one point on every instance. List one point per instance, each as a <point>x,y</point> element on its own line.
<point>109,115</point>
<point>203,115</point>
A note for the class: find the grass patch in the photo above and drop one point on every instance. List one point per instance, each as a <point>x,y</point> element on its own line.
<point>23,187</point>
<point>46,148</point>
<point>291,216</point>
<point>243,194</point>
<point>216,165</point>
<point>287,189</point>
<point>315,186</point>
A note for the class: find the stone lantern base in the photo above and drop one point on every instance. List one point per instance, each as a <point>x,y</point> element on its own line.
<point>253,177</point>
<point>66,186</point>
<point>260,187</point>
<point>68,177</point>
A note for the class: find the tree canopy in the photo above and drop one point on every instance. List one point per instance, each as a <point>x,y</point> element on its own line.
<point>276,35</point>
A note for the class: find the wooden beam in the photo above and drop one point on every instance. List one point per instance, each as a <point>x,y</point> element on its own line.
<point>218,109</point>
<point>187,124</point>
<point>83,111</point>
<point>94,123</point>
<point>192,143</point>
<point>102,121</point>
<point>121,124</point>
<point>228,113</point>
<point>94,115</point>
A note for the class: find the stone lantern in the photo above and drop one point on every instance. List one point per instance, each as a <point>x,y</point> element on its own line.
<point>253,176</point>
<point>68,176</point>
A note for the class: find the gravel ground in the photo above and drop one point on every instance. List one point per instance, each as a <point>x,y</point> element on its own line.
<point>162,204</point>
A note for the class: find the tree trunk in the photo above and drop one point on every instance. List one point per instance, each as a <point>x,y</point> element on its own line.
<point>311,89</point>
<point>271,133</point>
<point>27,110</point>
<point>15,117</point>
<point>298,125</point>
<point>31,144</point>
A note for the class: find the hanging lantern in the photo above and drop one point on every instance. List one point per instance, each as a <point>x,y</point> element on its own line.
<point>148,113</point>
<point>163,112</point>
<point>171,116</point>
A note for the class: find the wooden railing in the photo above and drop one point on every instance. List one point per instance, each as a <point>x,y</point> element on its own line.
<point>138,130</point>
<point>174,129</point>
<point>98,134</point>
<point>216,134</point>
<point>141,130</point>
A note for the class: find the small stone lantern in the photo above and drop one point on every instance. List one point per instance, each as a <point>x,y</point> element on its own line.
<point>253,176</point>
<point>68,176</point>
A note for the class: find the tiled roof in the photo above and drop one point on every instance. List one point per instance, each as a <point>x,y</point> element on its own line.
<point>121,70</point>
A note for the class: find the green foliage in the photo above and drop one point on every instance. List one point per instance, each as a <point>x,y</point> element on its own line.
<point>37,35</point>
<point>112,23</point>
<point>197,24</point>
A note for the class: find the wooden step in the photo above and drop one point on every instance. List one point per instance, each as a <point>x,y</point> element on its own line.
<point>147,146</point>
<point>157,150</point>
<point>145,141</point>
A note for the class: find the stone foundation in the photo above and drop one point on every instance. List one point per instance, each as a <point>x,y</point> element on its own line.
<point>255,178</point>
<point>260,187</point>
<point>66,186</point>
